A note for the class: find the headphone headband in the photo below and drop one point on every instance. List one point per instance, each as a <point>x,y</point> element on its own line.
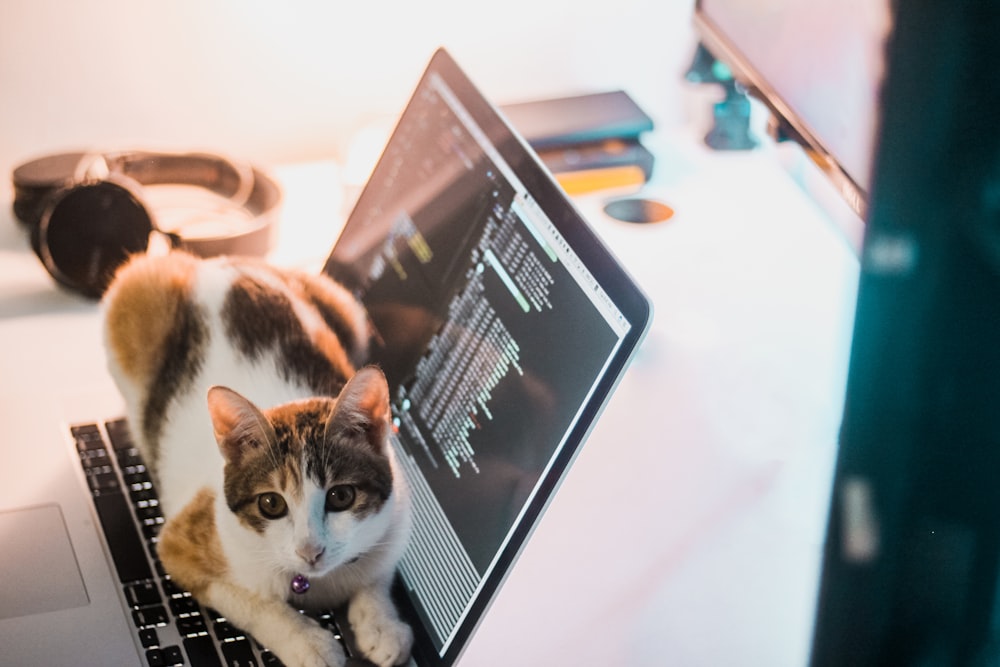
<point>41,185</point>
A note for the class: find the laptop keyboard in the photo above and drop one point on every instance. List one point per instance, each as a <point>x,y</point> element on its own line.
<point>169,624</point>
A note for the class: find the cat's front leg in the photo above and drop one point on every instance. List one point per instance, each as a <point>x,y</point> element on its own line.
<point>297,640</point>
<point>379,633</point>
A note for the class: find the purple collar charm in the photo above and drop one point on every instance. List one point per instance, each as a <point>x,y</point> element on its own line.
<point>300,584</point>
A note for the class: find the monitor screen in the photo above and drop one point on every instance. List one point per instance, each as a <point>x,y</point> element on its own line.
<point>818,65</point>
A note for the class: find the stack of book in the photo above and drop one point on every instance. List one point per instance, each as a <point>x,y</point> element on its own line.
<point>590,142</point>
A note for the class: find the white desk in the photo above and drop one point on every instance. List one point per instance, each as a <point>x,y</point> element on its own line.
<point>689,530</point>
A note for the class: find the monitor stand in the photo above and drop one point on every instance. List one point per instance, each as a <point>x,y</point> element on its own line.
<point>731,128</point>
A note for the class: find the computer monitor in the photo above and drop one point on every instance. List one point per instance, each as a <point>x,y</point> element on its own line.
<point>818,65</point>
<point>911,561</point>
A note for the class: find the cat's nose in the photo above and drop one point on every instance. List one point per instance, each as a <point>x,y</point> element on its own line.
<point>311,553</point>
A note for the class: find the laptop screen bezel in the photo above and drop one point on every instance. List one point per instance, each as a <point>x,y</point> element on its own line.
<point>605,268</point>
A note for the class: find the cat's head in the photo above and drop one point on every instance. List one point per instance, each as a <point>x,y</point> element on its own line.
<point>311,479</point>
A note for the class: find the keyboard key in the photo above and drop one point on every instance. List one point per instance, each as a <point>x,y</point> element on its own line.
<point>95,458</point>
<point>142,495</point>
<point>119,434</point>
<point>148,638</point>
<point>133,468</point>
<point>149,502</point>
<point>155,658</point>
<point>173,590</point>
<point>128,457</point>
<point>270,660</point>
<point>137,480</point>
<point>201,652</point>
<point>87,437</point>
<point>238,654</point>
<point>183,605</point>
<point>150,617</point>
<point>151,530</point>
<point>189,626</point>
<point>123,538</point>
<point>173,656</point>
<point>149,513</point>
<point>142,594</point>
<point>139,487</point>
<point>102,480</point>
<point>225,630</point>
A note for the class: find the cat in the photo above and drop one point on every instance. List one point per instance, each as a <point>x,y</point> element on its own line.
<point>269,452</point>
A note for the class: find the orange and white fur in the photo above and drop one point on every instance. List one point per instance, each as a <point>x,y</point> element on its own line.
<point>269,451</point>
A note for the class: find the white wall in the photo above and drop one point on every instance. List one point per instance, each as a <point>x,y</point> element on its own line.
<point>281,80</point>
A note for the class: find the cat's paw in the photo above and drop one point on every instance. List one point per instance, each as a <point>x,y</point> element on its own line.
<point>386,643</point>
<point>310,646</point>
<point>378,632</point>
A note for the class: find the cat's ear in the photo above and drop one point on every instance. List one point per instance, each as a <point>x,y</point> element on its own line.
<point>363,406</point>
<point>238,424</point>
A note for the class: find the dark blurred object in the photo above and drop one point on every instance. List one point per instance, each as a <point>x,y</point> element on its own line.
<point>911,566</point>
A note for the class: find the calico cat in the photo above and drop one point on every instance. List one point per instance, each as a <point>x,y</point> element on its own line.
<point>270,454</point>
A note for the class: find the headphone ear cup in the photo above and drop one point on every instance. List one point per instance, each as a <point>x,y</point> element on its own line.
<point>37,181</point>
<point>90,230</point>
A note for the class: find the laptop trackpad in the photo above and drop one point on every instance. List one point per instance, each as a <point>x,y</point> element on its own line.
<point>39,567</point>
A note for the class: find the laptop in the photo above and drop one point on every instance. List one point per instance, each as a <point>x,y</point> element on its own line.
<point>503,326</point>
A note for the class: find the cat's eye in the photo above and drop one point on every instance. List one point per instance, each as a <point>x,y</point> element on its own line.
<point>272,505</point>
<point>340,498</point>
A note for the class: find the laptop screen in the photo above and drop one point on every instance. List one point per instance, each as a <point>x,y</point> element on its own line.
<point>502,325</point>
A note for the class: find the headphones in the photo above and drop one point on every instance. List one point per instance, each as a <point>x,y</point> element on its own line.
<point>86,211</point>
